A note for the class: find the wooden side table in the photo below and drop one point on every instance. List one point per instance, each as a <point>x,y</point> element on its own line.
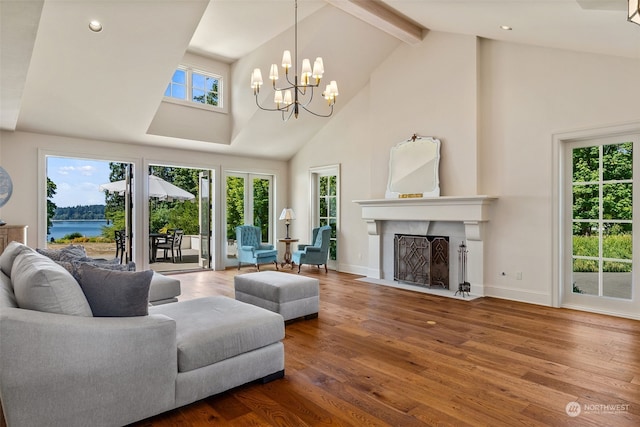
<point>287,251</point>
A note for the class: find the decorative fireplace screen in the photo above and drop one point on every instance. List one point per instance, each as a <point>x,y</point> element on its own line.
<point>421,260</point>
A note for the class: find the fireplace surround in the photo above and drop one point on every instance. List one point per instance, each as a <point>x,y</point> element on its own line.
<point>459,218</point>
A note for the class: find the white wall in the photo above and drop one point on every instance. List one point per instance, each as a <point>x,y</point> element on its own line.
<point>23,155</point>
<point>412,91</point>
<point>495,106</point>
<point>528,94</point>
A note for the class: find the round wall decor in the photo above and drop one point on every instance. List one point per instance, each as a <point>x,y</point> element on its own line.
<point>6,187</point>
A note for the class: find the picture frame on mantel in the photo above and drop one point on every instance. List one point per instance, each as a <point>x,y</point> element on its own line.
<point>414,168</point>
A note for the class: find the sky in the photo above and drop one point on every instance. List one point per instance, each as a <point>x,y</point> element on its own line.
<point>77,180</point>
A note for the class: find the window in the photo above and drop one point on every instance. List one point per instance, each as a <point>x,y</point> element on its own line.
<point>178,86</point>
<point>195,87</point>
<point>205,89</point>
<point>325,205</point>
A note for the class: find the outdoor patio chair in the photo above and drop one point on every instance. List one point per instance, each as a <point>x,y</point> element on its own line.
<point>121,240</point>
<point>172,243</point>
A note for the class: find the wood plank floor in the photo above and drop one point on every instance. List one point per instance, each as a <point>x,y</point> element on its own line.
<point>379,356</point>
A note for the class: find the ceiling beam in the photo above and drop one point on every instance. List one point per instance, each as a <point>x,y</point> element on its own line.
<point>378,14</point>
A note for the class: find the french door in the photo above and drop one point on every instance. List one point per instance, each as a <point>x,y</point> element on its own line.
<point>76,183</point>
<point>599,223</point>
<point>205,208</point>
<point>325,201</point>
<point>249,200</point>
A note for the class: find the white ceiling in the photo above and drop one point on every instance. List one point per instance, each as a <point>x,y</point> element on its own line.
<point>59,78</point>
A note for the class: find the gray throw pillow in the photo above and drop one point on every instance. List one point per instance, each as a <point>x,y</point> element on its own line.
<point>130,266</point>
<point>113,293</point>
<point>42,285</point>
<point>67,253</point>
<point>9,255</point>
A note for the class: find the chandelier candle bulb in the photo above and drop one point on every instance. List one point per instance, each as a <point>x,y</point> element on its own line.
<point>318,69</point>
<point>634,11</point>
<point>331,92</point>
<point>334,88</point>
<point>277,98</point>
<point>288,99</point>
<point>306,71</point>
<point>273,74</point>
<point>286,60</point>
<point>256,80</point>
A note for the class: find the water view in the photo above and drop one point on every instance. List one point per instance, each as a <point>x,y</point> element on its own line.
<point>88,228</point>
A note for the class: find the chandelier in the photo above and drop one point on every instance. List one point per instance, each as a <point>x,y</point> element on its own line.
<point>634,11</point>
<point>298,93</point>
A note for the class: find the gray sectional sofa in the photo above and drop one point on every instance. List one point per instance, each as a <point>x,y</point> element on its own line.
<point>61,365</point>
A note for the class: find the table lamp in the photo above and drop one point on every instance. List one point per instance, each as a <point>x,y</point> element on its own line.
<point>287,214</point>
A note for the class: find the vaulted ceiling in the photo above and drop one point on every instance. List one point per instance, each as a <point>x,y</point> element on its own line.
<point>57,77</point>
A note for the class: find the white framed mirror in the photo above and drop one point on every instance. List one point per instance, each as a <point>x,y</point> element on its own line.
<point>413,168</point>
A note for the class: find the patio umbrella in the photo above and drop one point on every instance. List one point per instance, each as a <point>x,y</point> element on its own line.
<point>158,188</point>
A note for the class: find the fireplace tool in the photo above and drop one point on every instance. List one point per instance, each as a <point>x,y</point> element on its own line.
<point>463,286</point>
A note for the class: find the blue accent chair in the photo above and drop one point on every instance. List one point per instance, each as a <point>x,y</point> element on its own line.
<point>316,253</point>
<point>250,248</point>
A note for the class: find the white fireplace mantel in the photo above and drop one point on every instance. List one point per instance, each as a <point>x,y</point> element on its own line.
<point>472,211</point>
<point>446,208</point>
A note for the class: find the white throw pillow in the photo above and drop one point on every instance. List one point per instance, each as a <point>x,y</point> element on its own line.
<point>9,255</point>
<point>42,285</point>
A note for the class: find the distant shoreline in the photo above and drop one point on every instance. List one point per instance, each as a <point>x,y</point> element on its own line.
<point>96,219</point>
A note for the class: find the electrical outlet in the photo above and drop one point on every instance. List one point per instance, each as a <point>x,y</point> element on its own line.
<point>519,275</point>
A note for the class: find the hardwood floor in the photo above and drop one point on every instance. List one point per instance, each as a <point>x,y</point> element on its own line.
<point>380,356</point>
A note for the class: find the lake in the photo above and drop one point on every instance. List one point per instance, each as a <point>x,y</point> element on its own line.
<point>88,228</point>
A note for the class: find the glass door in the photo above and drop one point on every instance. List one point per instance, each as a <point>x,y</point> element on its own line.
<point>248,201</point>
<point>598,199</point>
<point>325,185</point>
<point>89,202</point>
<point>205,219</point>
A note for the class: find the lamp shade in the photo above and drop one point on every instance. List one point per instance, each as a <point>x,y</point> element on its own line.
<point>634,11</point>
<point>287,214</point>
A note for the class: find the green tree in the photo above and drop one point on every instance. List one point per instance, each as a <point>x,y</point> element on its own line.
<point>235,204</point>
<point>617,199</point>
<point>165,214</point>
<point>261,206</point>
<point>115,202</point>
<point>51,207</point>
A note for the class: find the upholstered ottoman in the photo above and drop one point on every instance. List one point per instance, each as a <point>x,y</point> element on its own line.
<point>290,295</point>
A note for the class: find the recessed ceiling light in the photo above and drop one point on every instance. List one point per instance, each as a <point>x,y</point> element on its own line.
<point>506,27</point>
<point>95,26</point>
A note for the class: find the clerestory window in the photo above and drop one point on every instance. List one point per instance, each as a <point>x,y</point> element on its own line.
<point>195,87</point>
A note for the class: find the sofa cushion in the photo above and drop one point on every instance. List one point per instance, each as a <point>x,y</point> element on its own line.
<point>9,255</point>
<point>216,328</point>
<point>163,289</point>
<point>7,298</point>
<point>113,293</point>
<point>42,285</point>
